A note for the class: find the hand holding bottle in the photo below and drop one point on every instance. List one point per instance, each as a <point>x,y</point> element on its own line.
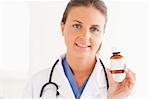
<point>120,90</point>
<point>121,79</point>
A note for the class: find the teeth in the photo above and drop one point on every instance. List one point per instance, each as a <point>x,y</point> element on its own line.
<point>82,45</point>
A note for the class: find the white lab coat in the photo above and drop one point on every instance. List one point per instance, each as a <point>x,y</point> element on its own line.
<point>96,87</point>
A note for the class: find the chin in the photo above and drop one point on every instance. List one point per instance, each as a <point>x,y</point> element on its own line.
<point>83,54</point>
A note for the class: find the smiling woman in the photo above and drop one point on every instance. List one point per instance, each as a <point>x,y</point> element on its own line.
<point>81,40</point>
<point>83,32</point>
<point>79,72</point>
<point>31,39</point>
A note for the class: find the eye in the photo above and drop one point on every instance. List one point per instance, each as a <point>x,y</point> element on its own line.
<point>76,26</point>
<point>94,29</point>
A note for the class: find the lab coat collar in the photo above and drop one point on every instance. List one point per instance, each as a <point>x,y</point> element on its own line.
<point>96,81</point>
<point>61,80</point>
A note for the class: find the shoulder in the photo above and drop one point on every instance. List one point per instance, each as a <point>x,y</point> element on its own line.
<point>41,76</point>
<point>35,83</point>
<point>38,80</point>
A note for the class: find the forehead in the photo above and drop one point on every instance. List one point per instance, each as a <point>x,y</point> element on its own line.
<point>86,15</point>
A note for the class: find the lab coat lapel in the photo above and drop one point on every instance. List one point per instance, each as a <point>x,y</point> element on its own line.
<point>96,86</point>
<point>61,80</point>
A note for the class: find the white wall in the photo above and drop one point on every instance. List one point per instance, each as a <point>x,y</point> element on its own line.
<point>30,40</point>
<point>14,48</point>
<point>46,41</point>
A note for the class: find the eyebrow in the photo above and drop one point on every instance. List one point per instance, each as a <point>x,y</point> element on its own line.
<point>77,21</point>
<point>95,26</point>
<point>82,23</point>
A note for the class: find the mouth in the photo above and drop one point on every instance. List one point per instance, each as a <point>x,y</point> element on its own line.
<point>82,45</point>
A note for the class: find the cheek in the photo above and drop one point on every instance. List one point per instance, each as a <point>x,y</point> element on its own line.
<point>97,44</point>
<point>68,37</point>
<point>97,41</point>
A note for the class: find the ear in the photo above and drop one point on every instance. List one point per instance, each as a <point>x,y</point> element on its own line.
<point>62,27</point>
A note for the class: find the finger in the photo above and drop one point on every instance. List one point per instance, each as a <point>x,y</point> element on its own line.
<point>130,73</point>
<point>130,76</point>
<point>109,75</point>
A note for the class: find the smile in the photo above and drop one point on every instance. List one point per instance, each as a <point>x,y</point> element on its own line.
<point>82,45</point>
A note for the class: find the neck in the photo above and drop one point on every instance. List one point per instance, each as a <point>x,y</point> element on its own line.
<point>81,65</point>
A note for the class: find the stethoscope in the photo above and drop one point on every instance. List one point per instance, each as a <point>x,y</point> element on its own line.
<point>53,83</point>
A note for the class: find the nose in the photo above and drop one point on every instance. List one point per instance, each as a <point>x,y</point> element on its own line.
<point>86,34</point>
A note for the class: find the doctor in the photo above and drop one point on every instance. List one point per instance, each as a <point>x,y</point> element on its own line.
<point>80,73</point>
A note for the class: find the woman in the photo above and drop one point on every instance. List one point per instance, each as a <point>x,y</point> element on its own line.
<point>79,73</point>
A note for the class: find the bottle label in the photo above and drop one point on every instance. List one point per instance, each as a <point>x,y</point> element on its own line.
<point>119,77</point>
<point>117,64</point>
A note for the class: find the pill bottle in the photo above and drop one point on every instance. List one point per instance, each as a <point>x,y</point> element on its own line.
<point>117,65</point>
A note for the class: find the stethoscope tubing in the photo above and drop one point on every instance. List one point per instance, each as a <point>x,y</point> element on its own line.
<point>50,80</point>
